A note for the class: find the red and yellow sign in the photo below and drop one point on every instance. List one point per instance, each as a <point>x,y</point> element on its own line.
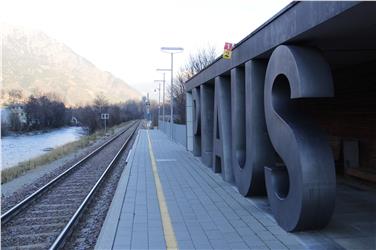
<point>227,51</point>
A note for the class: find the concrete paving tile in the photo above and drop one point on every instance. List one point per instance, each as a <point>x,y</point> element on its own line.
<point>124,232</point>
<point>219,244</point>
<point>358,243</point>
<point>257,228</point>
<point>238,245</point>
<point>258,244</point>
<point>140,220</point>
<point>140,227</point>
<point>214,235</point>
<point>232,237</point>
<point>202,204</point>
<point>275,244</point>
<point>140,245</point>
<point>122,240</point>
<point>121,245</point>
<point>202,245</point>
<point>238,223</point>
<point>288,240</point>
<point>330,246</point>
<point>226,228</point>
<point>157,245</point>
<point>125,222</point>
<point>154,234</point>
<point>182,236</point>
<point>186,244</point>
<point>278,231</point>
<point>266,235</point>
<point>245,232</point>
<point>205,219</point>
<point>156,238</point>
<point>198,235</point>
<point>207,226</point>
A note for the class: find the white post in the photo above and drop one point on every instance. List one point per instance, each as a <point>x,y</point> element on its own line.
<point>105,128</point>
<point>163,107</point>
<point>159,103</point>
<point>172,95</point>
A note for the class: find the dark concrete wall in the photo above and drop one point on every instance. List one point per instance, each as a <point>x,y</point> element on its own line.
<point>318,103</point>
<point>293,22</point>
<point>207,107</point>
<point>351,114</point>
<point>222,148</point>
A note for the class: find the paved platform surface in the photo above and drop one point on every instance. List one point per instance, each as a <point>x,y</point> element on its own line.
<point>204,212</point>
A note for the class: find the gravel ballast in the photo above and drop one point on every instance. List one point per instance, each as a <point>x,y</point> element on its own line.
<point>59,203</point>
<point>86,233</point>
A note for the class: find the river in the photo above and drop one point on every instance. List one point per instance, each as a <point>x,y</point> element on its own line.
<point>15,149</point>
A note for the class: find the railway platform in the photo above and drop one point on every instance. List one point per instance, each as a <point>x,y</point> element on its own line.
<point>166,198</point>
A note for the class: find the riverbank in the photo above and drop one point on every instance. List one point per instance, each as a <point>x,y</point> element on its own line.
<point>21,168</point>
<point>35,132</point>
<point>23,147</point>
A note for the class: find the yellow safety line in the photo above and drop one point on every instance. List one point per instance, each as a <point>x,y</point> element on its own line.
<point>168,230</point>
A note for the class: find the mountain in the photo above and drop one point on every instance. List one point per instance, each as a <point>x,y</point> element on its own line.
<point>36,63</point>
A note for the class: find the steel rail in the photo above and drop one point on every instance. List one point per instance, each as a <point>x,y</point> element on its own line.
<point>25,202</point>
<point>76,216</point>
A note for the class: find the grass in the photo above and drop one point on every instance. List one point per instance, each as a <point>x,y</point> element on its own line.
<point>11,173</point>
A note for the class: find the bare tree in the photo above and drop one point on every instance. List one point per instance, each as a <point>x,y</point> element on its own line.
<point>15,96</point>
<point>101,103</point>
<point>53,96</point>
<point>89,116</point>
<point>41,113</point>
<point>196,62</point>
<point>199,61</point>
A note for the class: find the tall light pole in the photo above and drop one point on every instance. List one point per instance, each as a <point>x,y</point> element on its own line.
<point>159,100</point>
<point>163,91</point>
<point>172,51</point>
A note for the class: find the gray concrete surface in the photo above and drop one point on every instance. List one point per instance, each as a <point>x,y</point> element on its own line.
<point>208,213</point>
<point>196,119</point>
<point>222,148</point>
<point>301,194</point>
<point>252,150</point>
<point>298,22</point>
<point>207,121</point>
<point>179,132</point>
<point>304,45</point>
<point>134,220</point>
<point>189,121</point>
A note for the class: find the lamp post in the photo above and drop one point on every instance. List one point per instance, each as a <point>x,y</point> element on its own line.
<point>159,100</point>
<point>163,91</point>
<point>172,51</point>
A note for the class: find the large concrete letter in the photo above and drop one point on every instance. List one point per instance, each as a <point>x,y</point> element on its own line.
<point>207,106</point>
<point>302,194</point>
<point>196,114</point>
<point>222,128</point>
<point>251,147</point>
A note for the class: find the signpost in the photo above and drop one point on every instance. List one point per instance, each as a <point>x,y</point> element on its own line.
<point>105,117</point>
<point>227,51</point>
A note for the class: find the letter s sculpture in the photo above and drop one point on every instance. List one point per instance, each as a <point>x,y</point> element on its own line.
<point>301,194</point>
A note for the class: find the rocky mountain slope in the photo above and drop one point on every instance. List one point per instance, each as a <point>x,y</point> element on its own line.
<point>36,63</point>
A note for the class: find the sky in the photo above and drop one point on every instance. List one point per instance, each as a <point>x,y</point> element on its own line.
<point>124,37</point>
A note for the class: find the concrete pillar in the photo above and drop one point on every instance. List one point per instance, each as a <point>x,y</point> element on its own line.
<point>196,119</point>
<point>207,106</point>
<point>222,128</point>
<point>302,192</point>
<point>252,150</point>
<point>189,121</point>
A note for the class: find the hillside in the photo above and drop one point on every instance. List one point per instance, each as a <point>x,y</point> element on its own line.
<point>36,63</point>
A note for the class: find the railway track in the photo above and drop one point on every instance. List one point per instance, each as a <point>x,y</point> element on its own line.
<point>46,218</point>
